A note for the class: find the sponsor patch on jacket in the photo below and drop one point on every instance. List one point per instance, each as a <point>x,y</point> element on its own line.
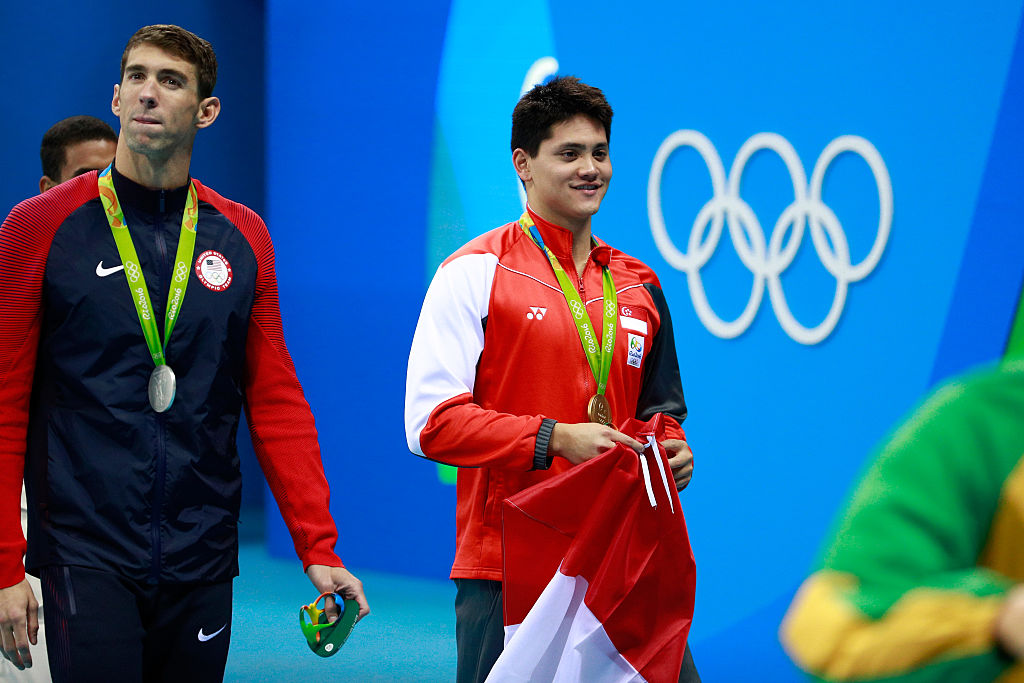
<point>636,350</point>
<point>213,270</point>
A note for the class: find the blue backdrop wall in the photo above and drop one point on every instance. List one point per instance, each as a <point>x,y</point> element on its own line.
<point>803,336</point>
<point>374,139</point>
<point>62,58</point>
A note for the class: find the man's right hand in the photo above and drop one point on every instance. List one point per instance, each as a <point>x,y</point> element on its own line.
<point>19,623</point>
<point>578,443</point>
<point>1009,626</point>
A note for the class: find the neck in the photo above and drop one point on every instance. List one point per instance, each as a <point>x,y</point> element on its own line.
<point>152,172</point>
<point>581,238</point>
<point>580,247</point>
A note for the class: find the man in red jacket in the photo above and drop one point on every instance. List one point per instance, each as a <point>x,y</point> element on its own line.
<point>534,339</point>
<point>138,314</point>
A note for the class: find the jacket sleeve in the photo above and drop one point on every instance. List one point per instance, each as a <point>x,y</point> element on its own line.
<point>661,390</point>
<point>23,249</point>
<point>901,594</point>
<point>280,421</point>
<point>442,420</point>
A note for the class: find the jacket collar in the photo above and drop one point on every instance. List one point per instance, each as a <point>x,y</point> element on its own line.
<point>559,241</point>
<point>143,199</point>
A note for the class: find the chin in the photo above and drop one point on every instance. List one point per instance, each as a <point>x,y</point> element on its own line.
<point>143,146</point>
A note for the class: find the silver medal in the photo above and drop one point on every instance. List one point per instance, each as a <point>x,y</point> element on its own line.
<point>161,388</point>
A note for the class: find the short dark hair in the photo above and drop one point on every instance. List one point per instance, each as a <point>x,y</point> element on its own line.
<point>550,103</point>
<point>180,43</point>
<point>67,132</point>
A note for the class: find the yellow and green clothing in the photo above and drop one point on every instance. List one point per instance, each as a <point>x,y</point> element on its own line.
<point>911,585</point>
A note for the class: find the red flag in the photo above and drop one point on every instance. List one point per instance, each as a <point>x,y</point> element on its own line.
<point>599,577</point>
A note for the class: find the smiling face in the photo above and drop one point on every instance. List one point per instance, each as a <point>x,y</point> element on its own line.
<point>158,103</point>
<point>567,179</point>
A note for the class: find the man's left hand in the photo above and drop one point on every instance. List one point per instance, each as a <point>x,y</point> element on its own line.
<point>341,581</point>
<point>680,459</point>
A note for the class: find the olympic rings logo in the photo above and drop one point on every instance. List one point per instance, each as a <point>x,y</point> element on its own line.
<point>181,272</point>
<point>768,259</point>
<point>132,270</point>
<point>609,309</point>
<point>577,309</point>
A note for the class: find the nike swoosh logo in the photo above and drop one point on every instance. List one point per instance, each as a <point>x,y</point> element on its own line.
<point>203,637</point>
<point>103,272</point>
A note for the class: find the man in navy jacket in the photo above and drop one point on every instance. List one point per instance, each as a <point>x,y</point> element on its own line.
<point>138,315</point>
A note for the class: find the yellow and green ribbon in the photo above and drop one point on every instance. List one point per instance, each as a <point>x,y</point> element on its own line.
<point>133,267</point>
<point>599,354</point>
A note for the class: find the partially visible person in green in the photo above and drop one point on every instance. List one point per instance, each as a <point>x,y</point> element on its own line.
<point>923,578</point>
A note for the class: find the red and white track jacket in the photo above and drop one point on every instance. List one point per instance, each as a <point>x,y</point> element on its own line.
<point>496,360</point>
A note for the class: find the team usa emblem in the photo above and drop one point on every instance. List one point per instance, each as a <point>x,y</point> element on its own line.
<point>213,270</point>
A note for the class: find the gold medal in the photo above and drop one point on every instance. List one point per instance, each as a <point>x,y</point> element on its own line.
<point>599,358</point>
<point>599,410</point>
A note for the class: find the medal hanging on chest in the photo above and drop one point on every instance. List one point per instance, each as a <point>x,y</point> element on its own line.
<point>599,410</point>
<point>162,387</point>
<point>599,356</point>
<point>162,381</point>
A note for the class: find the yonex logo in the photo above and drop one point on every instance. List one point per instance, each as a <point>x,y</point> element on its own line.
<point>767,258</point>
<point>536,312</point>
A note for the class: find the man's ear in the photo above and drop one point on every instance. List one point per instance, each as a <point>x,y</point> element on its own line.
<point>45,183</point>
<point>209,110</point>
<point>115,102</point>
<point>521,161</point>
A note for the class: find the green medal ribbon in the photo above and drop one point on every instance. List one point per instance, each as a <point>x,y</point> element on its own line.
<point>133,268</point>
<point>599,357</point>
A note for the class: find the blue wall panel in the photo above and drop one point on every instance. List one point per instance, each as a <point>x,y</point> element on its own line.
<point>780,428</point>
<point>986,293</point>
<point>62,58</point>
<point>385,132</point>
<point>350,116</point>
